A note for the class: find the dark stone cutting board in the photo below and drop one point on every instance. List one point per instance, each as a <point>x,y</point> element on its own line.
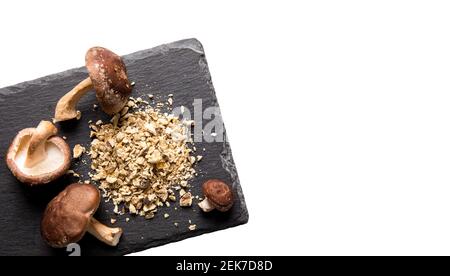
<point>178,68</point>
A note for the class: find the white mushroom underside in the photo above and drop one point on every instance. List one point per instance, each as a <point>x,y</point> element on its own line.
<point>54,159</point>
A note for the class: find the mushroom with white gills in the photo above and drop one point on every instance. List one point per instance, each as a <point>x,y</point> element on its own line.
<point>70,214</point>
<point>218,195</point>
<point>107,75</point>
<point>37,156</point>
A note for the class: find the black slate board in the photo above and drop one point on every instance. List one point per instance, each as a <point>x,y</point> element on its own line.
<point>178,68</point>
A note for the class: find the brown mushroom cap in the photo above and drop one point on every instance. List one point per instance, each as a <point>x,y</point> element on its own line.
<point>109,78</point>
<point>19,144</point>
<point>219,194</point>
<point>67,216</point>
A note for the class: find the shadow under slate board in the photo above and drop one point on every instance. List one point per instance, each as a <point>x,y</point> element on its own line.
<point>178,68</point>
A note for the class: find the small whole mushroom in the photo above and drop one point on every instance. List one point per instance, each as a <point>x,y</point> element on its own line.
<point>36,156</point>
<point>70,214</point>
<point>218,195</point>
<point>107,75</point>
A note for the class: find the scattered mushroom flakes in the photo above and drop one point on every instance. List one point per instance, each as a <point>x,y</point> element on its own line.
<point>78,150</point>
<point>186,200</point>
<point>192,227</point>
<point>139,162</point>
<point>73,173</point>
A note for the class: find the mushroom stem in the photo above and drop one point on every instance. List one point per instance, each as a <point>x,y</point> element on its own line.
<point>108,235</point>
<point>206,205</point>
<point>66,108</point>
<point>36,150</point>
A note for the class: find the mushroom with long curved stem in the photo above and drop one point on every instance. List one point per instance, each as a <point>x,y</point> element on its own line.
<point>37,156</point>
<point>66,107</point>
<point>69,216</point>
<point>107,75</point>
<point>218,195</point>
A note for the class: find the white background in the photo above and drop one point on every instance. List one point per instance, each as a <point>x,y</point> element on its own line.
<point>337,111</point>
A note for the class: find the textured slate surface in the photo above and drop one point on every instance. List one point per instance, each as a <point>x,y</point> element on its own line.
<point>178,68</point>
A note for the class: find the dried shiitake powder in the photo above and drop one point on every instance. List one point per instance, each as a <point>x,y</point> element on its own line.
<point>140,158</point>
